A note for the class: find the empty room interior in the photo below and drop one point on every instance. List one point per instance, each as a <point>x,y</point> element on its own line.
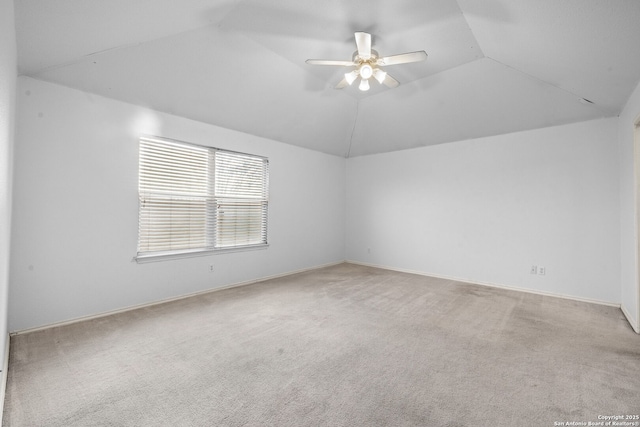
<point>292,212</point>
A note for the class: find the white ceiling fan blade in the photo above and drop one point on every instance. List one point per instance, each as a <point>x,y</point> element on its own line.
<point>390,82</point>
<point>330,62</point>
<point>343,83</point>
<point>363,41</point>
<point>402,58</point>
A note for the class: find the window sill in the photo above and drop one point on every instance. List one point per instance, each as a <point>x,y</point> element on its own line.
<point>167,256</point>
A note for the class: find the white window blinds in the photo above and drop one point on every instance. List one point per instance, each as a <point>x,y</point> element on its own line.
<point>195,198</point>
<point>241,183</point>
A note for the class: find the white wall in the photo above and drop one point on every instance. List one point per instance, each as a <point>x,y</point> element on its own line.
<point>483,210</point>
<point>486,210</point>
<point>628,232</point>
<point>75,208</point>
<point>8,71</point>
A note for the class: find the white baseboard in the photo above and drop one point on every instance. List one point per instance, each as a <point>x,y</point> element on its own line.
<point>492,285</point>
<point>633,322</point>
<point>634,325</point>
<point>163,301</point>
<point>5,376</point>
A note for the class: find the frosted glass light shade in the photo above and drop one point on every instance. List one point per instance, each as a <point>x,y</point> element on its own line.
<point>351,77</point>
<point>366,71</point>
<point>379,75</point>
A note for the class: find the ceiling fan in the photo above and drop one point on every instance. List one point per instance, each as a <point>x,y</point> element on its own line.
<point>368,64</point>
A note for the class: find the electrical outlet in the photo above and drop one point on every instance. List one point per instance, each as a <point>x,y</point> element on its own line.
<point>542,270</point>
<point>210,268</point>
<point>534,269</point>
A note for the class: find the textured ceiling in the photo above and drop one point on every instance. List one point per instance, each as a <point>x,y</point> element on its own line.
<point>494,66</point>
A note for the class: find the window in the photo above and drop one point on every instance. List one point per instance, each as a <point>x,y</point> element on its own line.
<point>196,199</point>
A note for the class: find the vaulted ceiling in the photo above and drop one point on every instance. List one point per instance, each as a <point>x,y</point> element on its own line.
<point>494,66</point>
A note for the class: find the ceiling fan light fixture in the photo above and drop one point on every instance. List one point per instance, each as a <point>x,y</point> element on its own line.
<point>368,63</point>
<point>379,75</point>
<point>351,77</point>
<point>366,71</point>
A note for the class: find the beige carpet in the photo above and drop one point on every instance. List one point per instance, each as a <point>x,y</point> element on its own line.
<point>340,346</point>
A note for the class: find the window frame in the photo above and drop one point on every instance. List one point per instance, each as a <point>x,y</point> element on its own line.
<point>210,198</point>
